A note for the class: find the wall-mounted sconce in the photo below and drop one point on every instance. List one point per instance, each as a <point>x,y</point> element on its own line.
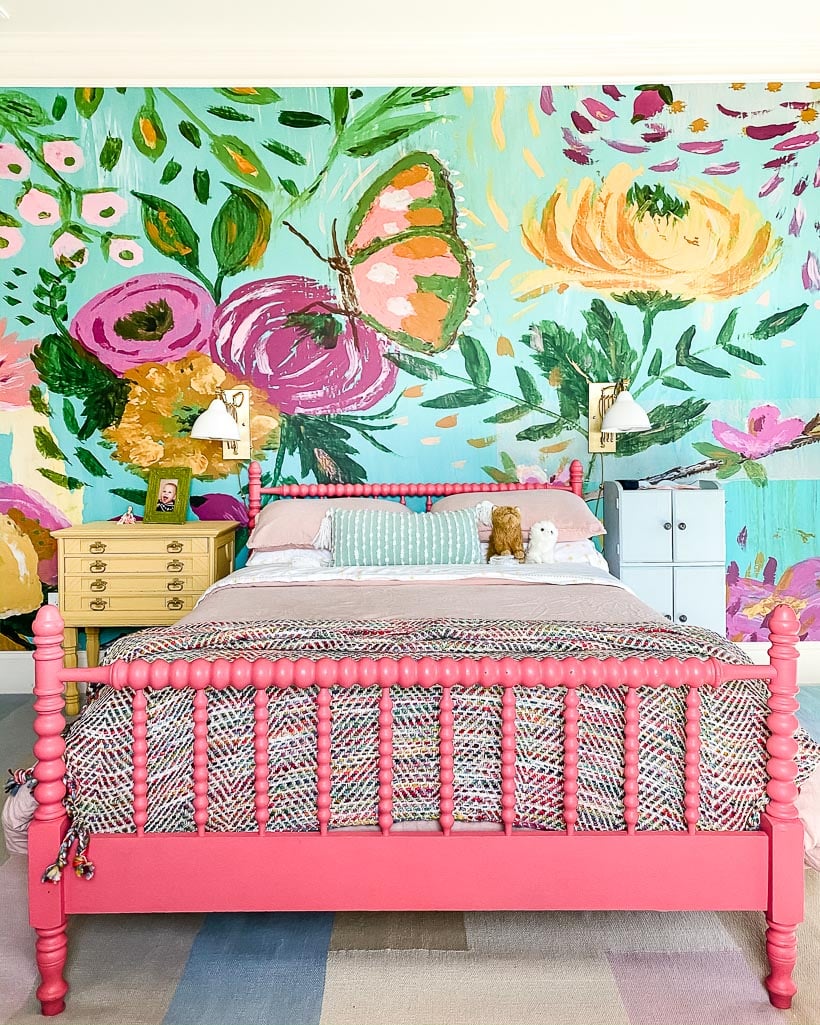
<point>613,411</point>
<point>227,419</point>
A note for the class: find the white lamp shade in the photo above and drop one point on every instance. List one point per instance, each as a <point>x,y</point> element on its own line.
<point>625,416</point>
<point>215,424</point>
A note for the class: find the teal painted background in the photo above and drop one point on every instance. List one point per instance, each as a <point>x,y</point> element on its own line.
<point>417,284</point>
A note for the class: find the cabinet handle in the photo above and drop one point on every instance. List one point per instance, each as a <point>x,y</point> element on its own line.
<point>667,526</point>
<point>96,548</point>
<point>98,585</point>
<point>98,604</point>
<point>667,616</point>
<point>682,618</point>
<point>175,585</point>
<point>175,566</point>
<point>174,546</point>
<point>681,526</point>
<point>174,603</point>
<point>98,566</point>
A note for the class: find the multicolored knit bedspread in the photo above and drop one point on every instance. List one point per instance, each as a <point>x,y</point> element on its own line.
<point>733,732</point>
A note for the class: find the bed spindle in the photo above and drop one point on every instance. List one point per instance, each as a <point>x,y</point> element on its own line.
<point>571,701</point>
<point>508,759</point>
<point>385,761</point>
<point>631,759</point>
<point>200,760</point>
<point>323,759</point>
<point>261,800</point>
<point>139,760</point>
<point>692,760</point>
<point>445,757</point>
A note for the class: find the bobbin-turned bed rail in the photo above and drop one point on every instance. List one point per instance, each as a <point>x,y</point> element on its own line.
<point>443,868</point>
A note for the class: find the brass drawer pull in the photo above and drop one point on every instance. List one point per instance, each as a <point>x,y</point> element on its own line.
<point>99,604</point>
<point>175,566</point>
<point>96,548</point>
<point>98,566</point>
<point>174,546</point>
<point>98,585</point>
<point>174,603</point>
<point>175,585</point>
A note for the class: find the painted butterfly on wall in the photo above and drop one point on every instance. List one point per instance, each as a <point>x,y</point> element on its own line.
<point>404,270</point>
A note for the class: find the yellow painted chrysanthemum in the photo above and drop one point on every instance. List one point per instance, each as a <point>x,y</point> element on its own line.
<point>21,591</point>
<point>716,245</point>
<point>164,401</point>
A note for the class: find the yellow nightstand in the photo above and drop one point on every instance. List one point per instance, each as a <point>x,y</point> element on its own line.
<point>142,574</point>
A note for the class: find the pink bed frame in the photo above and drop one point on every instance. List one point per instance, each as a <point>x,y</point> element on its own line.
<point>441,869</point>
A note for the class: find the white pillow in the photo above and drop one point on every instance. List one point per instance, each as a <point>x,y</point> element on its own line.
<point>306,558</point>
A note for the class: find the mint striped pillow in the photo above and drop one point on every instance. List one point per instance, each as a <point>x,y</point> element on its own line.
<point>365,537</point>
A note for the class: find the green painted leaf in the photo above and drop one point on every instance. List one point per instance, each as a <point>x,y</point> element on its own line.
<point>529,389</point>
<point>365,140</point>
<point>8,220</point>
<point>476,360</point>
<point>669,424</point>
<point>70,418</point>
<point>25,321</point>
<point>169,172</point>
<point>86,100</point>
<point>189,131</point>
<point>568,360</point>
<point>91,464</point>
<point>47,444</point>
<point>240,160</point>
<point>508,416</point>
<point>540,432</point>
<point>499,476</point>
<point>507,461</point>
<point>285,152</point>
<point>684,357</point>
<point>424,369</point>
<point>290,186</point>
<point>727,470</point>
<point>60,479</point>
<point>771,326</point>
<point>38,401</point>
<point>148,132</point>
<point>59,107</point>
<point>652,302</point>
<point>459,399</point>
<point>169,231</point>
<point>301,119</point>
<point>744,354</point>
<point>756,472</point>
<point>605,328</point>
<point>716,452</point>
<point>230,114</point>
<point>256,95</point>
<point>340,105</point>
<point>241,231</point>
<point>675,382</point>
<point>655,365</point>
<point>202,185</point>
<point>20,110</point>
<point>110,153</point>
<point>134,496</point>
<point>728,329</point>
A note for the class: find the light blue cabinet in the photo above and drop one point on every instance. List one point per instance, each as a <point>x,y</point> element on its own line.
<point>669,546</point>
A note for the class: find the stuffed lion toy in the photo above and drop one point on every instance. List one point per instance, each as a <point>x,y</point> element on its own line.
<point>506,537</point>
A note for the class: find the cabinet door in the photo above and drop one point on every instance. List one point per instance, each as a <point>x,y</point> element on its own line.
<point>700,597</point>
<point>646,526</point>
<point>653,585</point>
<point>698,518</point>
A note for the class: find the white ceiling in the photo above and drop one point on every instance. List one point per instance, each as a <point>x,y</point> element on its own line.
<point>323,41</point>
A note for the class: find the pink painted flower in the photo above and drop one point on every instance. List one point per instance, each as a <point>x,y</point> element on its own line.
<point>286,335</point>
<point>152,318</point>
<point>11,242</point>
<point>17,373</point>
<point>811,273</point>
<point>103,207</point>
<point>36,518</point>
<point>63,155</point>
<point>14,164</point>
<point>766,433</point>
<point>38,207</point>
<point>69,250</point>
<point>530,474</point>
<point>125,251</point>
<point>751,600</point>
<point>647,103</point>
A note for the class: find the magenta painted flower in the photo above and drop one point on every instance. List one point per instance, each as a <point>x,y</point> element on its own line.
<point>103,207</point>
<point>152,318</point>
<point>216,506</point>
<point>17,373</point>
<point>11,241</point>
<point>766,433</point>
<point>38,207</point>
<point>752,600</point>
<point>36,518</point>
<point>70,251</point>
<point>14,164</point>
<point>811,273</point>
<point>126,252</point>
<point>63,155</point>
<point>288,336</point>
<point>647,104</point>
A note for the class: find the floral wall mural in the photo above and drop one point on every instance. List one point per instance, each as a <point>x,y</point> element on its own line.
<point>415,283</point>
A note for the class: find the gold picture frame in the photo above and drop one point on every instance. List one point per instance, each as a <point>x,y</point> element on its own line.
<point>169,488</point>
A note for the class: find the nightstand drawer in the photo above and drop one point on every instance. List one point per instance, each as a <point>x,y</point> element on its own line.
<point>170,544</point>
<point>142,583</point>
<point>106,604</point>
<point>106,565</point>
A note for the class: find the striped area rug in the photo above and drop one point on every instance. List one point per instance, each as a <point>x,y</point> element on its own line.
<point>402,969</point>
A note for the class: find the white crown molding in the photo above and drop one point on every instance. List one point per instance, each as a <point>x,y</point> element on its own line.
<point>474,58</point>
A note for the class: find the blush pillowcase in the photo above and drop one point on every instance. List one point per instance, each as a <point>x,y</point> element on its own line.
<point>294,522</point>
<point>570,514</point>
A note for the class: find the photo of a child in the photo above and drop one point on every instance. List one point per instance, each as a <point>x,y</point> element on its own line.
<point>167,498</point>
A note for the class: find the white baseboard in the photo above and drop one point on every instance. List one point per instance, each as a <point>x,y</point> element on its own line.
<point>17,671</point>
<point>808,665</point>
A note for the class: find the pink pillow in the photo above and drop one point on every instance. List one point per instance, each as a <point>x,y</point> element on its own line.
<point>570,514</point>
<point>294,522</point>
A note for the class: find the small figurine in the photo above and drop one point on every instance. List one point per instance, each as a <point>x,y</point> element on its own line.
<point>127,517</point>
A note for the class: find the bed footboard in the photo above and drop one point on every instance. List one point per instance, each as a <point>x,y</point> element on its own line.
<point>385,869</point>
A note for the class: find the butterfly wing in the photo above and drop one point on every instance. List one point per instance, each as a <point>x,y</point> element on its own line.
<point>412,274</point>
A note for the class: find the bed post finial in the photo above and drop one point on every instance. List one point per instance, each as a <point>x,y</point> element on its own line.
<point>576,477</point>
<point>254,493</point>
<point>780,821</point>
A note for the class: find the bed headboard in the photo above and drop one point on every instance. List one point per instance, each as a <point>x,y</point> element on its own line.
<point>400,491</point>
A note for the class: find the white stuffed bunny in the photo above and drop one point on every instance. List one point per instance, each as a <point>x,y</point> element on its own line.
<point>543,538</point>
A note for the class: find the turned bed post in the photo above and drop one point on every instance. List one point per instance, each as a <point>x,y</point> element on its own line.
<point>47,900</point>
<point>254,493</point>
<point>780,821</point>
